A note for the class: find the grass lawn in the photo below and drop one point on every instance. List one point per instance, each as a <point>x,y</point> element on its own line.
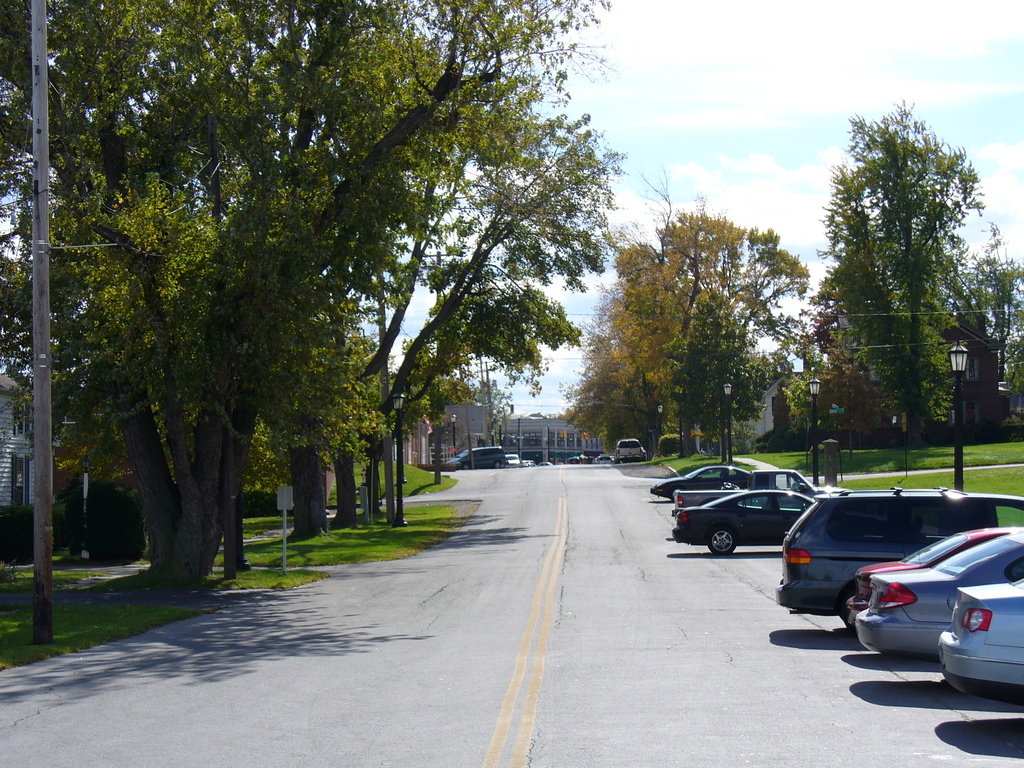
<point>23,580</point>
<point>76,627</point>
<point>875,460</point>
<point>428,525</point>
<point>255,579</point>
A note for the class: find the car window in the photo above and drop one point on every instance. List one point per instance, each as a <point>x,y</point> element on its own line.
<point>737,474</point>
<point>1010,512</point>
<point>755,501</point>
<point>933,519</point>
<point>792,503</point>
<point>955,564</point>
<point>860,519</point>
<point>936,551</point>
<point>1015,570</point>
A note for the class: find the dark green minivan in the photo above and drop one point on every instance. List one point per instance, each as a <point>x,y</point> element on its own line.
<point>841,532</point>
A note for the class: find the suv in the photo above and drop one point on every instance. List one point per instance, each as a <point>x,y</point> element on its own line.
<point>488,457</point>
<point>629,450</point>
<point>843,531</point>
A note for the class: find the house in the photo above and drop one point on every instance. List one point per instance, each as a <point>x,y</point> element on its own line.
<point>15,445</point>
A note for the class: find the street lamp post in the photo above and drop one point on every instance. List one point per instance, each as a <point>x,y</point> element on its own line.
<point>958,364</point>
<point>398,399</point>
<point>814,387</point>
<point>454,417</point>
<point>727,388</point>
<point>661,410</point>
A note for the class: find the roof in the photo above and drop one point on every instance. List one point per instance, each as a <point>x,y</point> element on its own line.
<point>6,382</point>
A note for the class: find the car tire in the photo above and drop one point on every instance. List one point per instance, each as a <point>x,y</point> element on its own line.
<point>722,540</point>
<point>846,593</point>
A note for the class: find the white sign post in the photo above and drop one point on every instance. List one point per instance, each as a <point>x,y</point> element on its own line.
<point>284,503</point>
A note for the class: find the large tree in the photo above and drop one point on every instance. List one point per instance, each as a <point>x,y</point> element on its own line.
<point>893,225</point>
<point>239,166</point>
<point>689,304</point>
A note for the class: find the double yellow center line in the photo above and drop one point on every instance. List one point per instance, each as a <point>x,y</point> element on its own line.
<point>535,639</point>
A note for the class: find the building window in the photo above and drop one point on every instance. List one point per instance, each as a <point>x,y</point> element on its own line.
<point>971,372</point>
<point>972,413</point>
<point>21,486</point>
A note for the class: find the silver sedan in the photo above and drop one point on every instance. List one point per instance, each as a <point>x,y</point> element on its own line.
<point>982,652</point>
<point>908,611</point>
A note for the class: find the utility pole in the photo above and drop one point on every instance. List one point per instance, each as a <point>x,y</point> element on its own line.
<point>385,390</point>
<point>42,437</point>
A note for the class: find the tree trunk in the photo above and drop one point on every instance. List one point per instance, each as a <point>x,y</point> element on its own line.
<point>310,499</point>
<point>344,473</point>
<point>182,499</point>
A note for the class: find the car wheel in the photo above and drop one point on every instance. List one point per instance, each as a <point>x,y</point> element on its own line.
<point>722,540</point>
<point>845,595</point>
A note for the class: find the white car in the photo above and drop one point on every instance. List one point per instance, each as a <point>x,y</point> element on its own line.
<point>512,460</point>
<point>604,458</point>
<point>982,652</point>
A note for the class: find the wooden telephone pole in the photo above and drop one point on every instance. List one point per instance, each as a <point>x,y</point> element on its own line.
<point>42,438</point>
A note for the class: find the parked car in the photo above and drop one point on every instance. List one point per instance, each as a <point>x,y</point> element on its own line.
<point>512,460</point>
<point>709,478</point>
<point>927,557</point>
<point>485,457</point>
<point>982,651</point>
<point>629,449</point>
<point>758,479</point>
<point>604,458</point>
<point>847,530</point>
<point>908,611</point>
<point>746,517</point>
<point>528,463</point>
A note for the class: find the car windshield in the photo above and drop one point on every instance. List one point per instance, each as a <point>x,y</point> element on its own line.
<point>963,560</point>
<point>934,552</point>
<point>702,470</point>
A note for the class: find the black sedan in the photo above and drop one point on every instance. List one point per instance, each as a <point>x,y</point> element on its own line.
<point>709,478</point>
<point>745,517</point>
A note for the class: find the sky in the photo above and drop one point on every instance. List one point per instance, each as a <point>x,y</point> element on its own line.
<point>747,105</point>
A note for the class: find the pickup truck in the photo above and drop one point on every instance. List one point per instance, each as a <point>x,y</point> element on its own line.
<point>757,480</point>
<point>743,517</point>
<point>629,449</point>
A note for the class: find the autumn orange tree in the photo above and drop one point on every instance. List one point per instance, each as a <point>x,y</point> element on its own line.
<point>685,315</point>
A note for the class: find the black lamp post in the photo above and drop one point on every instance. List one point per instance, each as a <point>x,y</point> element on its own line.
<point>727,388</point>
<point>958,364</point>
<point>454,417</point>
<point>398,400</point>
<point>814,387</point>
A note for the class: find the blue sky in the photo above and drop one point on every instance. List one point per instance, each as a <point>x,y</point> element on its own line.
<point>747,104</point>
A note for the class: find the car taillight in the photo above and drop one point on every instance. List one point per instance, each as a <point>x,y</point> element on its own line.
<point>796,556</point>
<point>682,516</point>
<point>976,620</point>
<point>894,595</point>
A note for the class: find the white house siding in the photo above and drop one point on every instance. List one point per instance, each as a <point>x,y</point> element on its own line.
<point>15,449</point>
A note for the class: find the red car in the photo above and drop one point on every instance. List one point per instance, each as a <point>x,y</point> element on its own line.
<point>923,558</point>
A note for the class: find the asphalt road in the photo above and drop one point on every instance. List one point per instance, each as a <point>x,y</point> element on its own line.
<point>560,627</point>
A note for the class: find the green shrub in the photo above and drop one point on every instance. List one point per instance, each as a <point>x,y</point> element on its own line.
<point>259,504</point>
<point>113,525</point>
<point>668,445</point>
<point>16,533</point>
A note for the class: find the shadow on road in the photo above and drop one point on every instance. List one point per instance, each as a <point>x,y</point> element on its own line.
<point>923,694</point>
<point>737,555</point>
<point>882,663</point>
<point>992,738</point>
<point>814,639</point>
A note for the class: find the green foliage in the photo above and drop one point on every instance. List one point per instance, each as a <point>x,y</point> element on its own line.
<point>668,445</point>
<point>113,526</point>
<point>259,503</point>
<point>893,225</point>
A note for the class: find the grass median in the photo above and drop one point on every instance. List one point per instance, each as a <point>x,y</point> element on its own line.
<point>76,627</point>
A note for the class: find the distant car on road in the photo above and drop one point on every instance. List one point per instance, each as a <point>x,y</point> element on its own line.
<point>512,460</point>
<point>629,449</point>
<point>745,517</point>
<point>485,457</point>
<point>604,458</point>
<point>909,611</point>
<point>982,651</point>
